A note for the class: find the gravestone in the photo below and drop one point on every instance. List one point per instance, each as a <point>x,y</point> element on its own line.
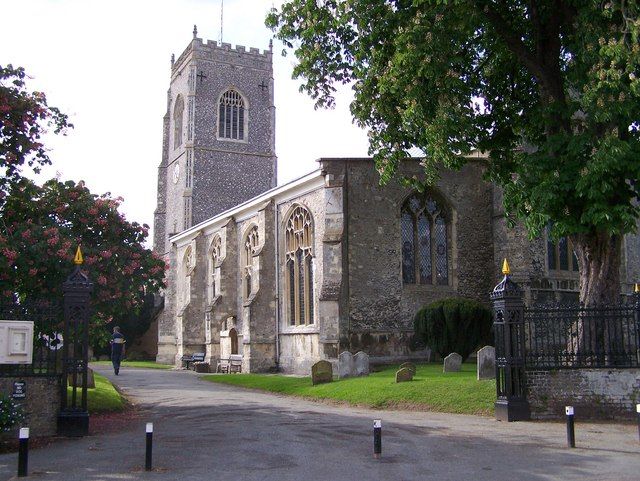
<point>91,383</point>
<point>321,372</point>
<point>404,375</point>
<point>409,365</point>
<point>452,362</point>
<point>361,363</point>
<point>201,367</point>
<point>486,363</point>
<point>345,365</point>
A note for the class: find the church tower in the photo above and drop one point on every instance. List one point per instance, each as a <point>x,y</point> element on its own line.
<point>219,135</point>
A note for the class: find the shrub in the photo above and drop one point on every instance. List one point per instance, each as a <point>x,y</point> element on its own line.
<point>454,325</point>
<point>11,413</point>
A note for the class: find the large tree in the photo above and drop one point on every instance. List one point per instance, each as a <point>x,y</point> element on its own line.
<point>40,229</point>
<point>549,88</point>
<point>42,225</point>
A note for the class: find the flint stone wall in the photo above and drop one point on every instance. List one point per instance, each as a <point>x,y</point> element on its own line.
<point>41,405</point>
<point>594,393</point>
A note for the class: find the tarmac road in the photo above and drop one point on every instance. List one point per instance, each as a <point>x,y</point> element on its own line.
<point>206,431</point>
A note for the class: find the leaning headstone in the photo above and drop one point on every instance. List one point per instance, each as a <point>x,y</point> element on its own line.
<point>404,375</point>
<point>486,363</point>
<point>345,365</point>
<point>361,363</point>
<point>409,365</point>
<point>452,362</point>
<point>321,372</point>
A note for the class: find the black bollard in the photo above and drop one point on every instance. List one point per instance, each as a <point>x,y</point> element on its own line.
<point>377,438</point>
<point>571,435</point>
<point>23,452</point>
<point>638,411</point>
<point>148,455</point>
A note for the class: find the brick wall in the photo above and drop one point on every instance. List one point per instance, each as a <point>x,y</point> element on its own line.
<point>595,393</point>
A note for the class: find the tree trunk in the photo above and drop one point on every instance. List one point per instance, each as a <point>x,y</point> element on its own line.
<point>596,336</point>
<point>598,256</point>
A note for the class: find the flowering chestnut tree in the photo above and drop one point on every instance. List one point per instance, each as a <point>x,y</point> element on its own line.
<point>40,230</point>
<point>24,118</point>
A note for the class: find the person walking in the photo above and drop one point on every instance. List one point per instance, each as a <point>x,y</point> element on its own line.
<point>117,349</point>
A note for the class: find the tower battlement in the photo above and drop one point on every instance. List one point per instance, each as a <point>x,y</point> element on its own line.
<point>223,52</point>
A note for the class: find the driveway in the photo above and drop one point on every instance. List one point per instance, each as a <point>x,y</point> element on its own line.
<point>206,431</point>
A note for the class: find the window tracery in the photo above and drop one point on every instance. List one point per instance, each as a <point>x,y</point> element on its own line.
<point>231,116</point>
<point>299,267</point>
<point>251,244</point>
<point>425,241</point>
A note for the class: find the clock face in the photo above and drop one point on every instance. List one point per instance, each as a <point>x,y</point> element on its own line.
<point>176,173</point>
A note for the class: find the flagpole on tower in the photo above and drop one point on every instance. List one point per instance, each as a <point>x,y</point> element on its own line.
<point>221,18</point>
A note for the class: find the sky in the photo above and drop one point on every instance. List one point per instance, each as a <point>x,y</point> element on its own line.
<point>107,65</point>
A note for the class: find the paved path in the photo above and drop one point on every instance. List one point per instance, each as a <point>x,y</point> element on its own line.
<point>206,431</point>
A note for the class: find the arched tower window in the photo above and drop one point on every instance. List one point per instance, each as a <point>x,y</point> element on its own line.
<point>251,242</point>
<point>178,110</point>
<point>425,241</point>
<point>231,116</point>
<point>299,267</point>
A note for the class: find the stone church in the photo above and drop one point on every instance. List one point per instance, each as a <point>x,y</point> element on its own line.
<point>286,275</point>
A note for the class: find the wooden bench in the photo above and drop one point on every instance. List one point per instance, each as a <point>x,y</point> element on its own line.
<point>233,364</point>
<point>191,358</point>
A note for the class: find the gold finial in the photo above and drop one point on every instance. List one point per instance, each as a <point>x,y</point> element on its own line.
<point>505,267</point>
<point>78,259</point>
<point>636,288</point>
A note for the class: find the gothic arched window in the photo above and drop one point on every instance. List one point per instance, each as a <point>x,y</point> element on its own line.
<point>188,263</point>
<point>425,241</point>
<point>561,255</point>
<point>178,110</point>
<point>251,242</point>
<point>299,267</point>
<point>231,116</point>
<point>215,252</point>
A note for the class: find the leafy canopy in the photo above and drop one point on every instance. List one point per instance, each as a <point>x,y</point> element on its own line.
<point>549,88</point>
<point>41,225</point>
<point>24,118</point>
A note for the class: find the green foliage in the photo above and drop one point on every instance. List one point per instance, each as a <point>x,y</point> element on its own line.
<point>24,119</point>
<point>41,225</point>
<point>430,390</point>
<point>454,325</point>
<point>11,413</point>
<point>549,89</point>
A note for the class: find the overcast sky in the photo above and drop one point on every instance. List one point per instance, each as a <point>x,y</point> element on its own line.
<point>107,65</point>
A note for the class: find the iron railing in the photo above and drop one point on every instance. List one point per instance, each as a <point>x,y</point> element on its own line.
<point>47,338</point>
<point>565,337</point>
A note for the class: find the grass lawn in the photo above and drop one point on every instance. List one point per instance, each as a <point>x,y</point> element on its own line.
<point>103,398</point>
<point>430,390</point>
<point>143,364</point>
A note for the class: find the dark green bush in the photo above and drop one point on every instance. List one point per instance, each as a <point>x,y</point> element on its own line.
<point>454,325</point>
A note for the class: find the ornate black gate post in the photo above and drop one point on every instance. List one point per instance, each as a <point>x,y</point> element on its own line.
<point>73,419</point>
<point>508,324</point>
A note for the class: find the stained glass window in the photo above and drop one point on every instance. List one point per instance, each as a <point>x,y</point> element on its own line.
<point>231,116</point>
<point>299,267</point>
<point>425,239</point>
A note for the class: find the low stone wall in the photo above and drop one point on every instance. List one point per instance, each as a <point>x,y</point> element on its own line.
<point>595,393</point>
<point>41,404</point>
